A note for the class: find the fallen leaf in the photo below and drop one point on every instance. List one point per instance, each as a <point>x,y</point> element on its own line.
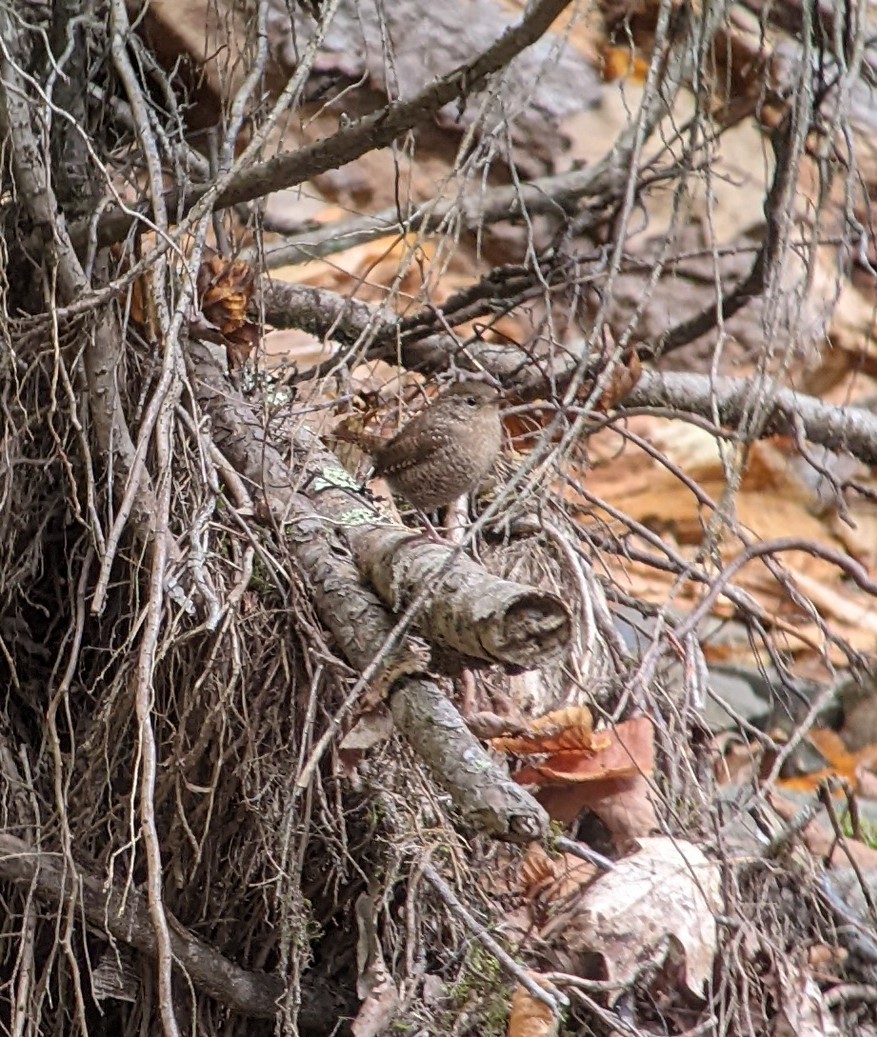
<point>622,751</point>
<point>801,1010</point>
<point>374,984</point>
<point>667,891</point>
<point>379,1007</point>
<point>563,729</point>
<point>610,780</point>
<point>529,1017</point>
<point>852,767</point>
<point>624,805</point>
<point>554,878</point>
<point>370,729</point>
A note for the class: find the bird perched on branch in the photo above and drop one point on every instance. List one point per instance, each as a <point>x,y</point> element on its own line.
<point>444,451</point>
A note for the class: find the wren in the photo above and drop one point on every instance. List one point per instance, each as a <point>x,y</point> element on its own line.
<point>445,450</point>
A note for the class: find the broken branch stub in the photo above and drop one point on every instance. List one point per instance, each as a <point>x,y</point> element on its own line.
<point>487,798</point>
<point>472,612</point>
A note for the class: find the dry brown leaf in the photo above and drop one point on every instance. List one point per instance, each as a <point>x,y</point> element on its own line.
<point>378,1009</point>
<point>529,1017</point>
<point>618,752</point>
<point>667,892</point>
<point>554,878</point>
<point>809,635</point>
<point>801,1011</point>
<point>853,324</point>
<point>740,763</point>
<point>611,781</point>
<point>624,805</point>
<point>374,984</point>
<point>370,729</point>
<point>560,730</point>
<point>225,290</point>
<point>772,496</point>
<point>292,346</point>
<point>841,763</point>
<point>690,447</point>
<point>142,306</point>
<point>371,268</point>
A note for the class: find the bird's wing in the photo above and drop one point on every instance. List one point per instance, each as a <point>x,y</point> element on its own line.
<point>413,446</point>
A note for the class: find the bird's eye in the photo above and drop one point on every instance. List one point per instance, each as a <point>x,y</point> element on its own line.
<point>472,401</point>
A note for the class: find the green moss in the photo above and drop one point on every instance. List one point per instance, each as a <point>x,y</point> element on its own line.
<point>484,992</point>
<point>260,580</point>
<point>867,830</point>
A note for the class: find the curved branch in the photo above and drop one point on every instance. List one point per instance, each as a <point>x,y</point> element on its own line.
<point>558,194</point>
<point>125,916</point>
<point>848,429</point>
<point>776,203</point>
<point>326,314</point>
<point>320,312</point>
<point>377,130</point>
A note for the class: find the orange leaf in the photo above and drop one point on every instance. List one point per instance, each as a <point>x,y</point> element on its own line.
<point>619,63</point>
<point>529,1017</point>
<point>560,730</point>
<point>225,290</point>
<point>553,878</point>
<point>624,805</point>
<point>841,763</point>
<point>626,750</point>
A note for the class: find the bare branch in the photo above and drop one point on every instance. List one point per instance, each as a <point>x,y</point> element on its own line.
<point>476,614</point>
<point>374,131</point>
<point>328,315</point>
<point>850,430</point>
<point>125,915</point>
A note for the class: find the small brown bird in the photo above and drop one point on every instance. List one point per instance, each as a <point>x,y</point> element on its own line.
<point>444,451</point>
